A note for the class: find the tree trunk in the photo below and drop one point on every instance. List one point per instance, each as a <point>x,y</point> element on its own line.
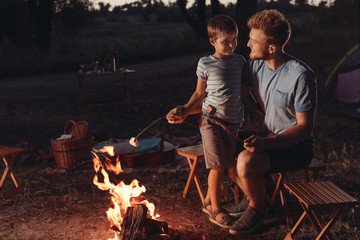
<point>244,10</point>
<point>199,25</point>
<point>215,7</point>
<point>41,16</point>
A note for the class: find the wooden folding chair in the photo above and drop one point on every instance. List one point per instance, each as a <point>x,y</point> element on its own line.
<point>9,154</point>
<point>193,155</point>
<point>315,197</point>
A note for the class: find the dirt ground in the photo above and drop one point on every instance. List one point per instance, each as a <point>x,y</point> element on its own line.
<point>65,204</point>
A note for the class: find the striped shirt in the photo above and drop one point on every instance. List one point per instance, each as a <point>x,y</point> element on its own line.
<point>223,86</point>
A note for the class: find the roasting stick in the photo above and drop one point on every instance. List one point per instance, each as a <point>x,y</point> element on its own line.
<point>134,140</point>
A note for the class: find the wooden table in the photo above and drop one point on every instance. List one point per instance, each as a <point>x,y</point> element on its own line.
<point>9,154</point>
<point>126,94</point>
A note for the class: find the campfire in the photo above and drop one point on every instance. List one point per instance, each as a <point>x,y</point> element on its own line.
<point>132,216</point>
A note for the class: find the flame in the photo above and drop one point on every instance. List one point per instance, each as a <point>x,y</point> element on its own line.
<point>122,195</point>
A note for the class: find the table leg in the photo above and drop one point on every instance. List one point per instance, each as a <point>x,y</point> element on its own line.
<point>81,88</point>
<point>8,170</point>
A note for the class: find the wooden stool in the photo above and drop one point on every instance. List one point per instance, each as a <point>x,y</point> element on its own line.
<point>8,154</point>
<point>315,167</point>
<point>316,196</point>
<point>193,155</point>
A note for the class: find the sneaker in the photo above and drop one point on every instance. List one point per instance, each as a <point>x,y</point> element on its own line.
<point>248,222</point>
<point>237,210</point>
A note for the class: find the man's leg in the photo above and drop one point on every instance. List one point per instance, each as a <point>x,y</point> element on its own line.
<point>252,168</point>
<point>232,173</point>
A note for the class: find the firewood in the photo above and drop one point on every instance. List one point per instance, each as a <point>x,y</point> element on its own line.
<point>137,226</point>
<point>133,222</point>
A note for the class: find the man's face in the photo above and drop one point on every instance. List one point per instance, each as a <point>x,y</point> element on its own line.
<point>258,44</point>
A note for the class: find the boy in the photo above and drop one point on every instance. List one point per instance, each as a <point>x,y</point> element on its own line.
<point>218,98</point>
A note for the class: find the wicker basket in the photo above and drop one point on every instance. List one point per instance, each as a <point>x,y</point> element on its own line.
<point>69,151</point>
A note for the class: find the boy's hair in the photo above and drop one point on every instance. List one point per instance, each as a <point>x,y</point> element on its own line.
<point>275,26</point>
<point>221,25</point>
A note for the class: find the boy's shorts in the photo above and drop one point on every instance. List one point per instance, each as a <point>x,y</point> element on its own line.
<point>294,157</point>
<point>219,145</point>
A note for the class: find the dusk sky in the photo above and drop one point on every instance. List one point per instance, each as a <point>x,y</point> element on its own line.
<point>122,2</point>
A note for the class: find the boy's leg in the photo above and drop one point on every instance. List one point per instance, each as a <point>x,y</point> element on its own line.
<point>214,181</point>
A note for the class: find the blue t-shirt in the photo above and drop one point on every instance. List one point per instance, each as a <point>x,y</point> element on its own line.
<point>282,92</point>
<point>223,86</point>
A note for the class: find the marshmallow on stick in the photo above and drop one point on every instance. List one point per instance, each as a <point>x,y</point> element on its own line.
<point>134,142</point>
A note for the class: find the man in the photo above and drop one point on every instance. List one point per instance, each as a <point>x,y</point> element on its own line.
<point>285,89</point>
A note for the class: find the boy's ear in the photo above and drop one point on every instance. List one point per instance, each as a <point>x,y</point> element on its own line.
<point>212,41</point>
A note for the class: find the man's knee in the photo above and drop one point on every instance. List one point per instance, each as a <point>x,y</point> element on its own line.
<point>244,163</point>
<point>249,162</point>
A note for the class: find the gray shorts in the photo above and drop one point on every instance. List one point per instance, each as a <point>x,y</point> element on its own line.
<point>294,157</point>
<point>219,145</point>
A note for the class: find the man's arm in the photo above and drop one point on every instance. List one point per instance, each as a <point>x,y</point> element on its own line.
<point>293,135</point>
<point>193,106</point>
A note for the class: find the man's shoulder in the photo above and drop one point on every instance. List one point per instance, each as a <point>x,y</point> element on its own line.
<point>238,57</point>
<point>297,66</point>
<point>255,65</point>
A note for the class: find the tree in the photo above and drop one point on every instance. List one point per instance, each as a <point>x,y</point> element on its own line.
<point>14,23</point>
<point>41,17</point>
<point>104,8</point>
<point>199,23</point>
<point>243,10</point>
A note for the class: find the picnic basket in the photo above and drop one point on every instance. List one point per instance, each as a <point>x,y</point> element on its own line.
<point>77,148</point>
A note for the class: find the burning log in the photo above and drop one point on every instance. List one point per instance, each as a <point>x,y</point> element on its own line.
<point>137,226</point>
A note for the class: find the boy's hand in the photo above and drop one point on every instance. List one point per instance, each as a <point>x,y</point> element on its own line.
<point>176,115</point>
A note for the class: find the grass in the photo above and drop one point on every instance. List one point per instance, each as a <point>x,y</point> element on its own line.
<point>134,40</point>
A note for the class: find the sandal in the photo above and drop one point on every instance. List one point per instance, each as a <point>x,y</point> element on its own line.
<point>224,222</point>
<point>205,209</point>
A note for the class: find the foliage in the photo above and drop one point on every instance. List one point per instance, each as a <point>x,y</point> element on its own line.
<point>13,24</point>
<point>150,29</point>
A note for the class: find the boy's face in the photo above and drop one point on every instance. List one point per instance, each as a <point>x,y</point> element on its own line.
<point>224,45</point>
<point>258,44</point>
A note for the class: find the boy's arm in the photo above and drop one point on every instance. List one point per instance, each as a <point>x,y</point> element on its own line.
<point>193,106</point>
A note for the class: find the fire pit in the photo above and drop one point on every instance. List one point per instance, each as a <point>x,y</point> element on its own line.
<point>132,216</point>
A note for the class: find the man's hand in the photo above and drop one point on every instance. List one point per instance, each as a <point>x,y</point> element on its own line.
<point>255,143</point>
<point>176,115</point>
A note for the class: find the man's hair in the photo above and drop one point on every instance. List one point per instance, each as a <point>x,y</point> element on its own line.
<point>275,26</point>
<point>221,25</point>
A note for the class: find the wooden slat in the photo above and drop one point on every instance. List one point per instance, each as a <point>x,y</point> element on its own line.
<point>196,151</point>
<point>4,151</point>
<point>295,189</point>
<point>320,195</point>
<point>339,192</point>
<point>322,189</point>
